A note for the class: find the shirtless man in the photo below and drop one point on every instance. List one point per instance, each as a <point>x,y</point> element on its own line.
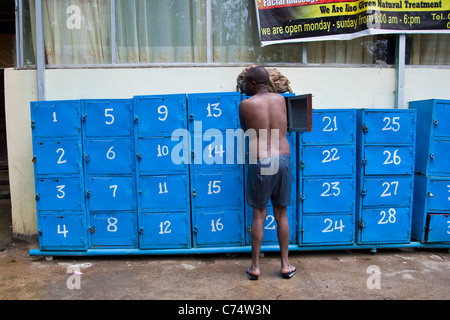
<point>269,173</point>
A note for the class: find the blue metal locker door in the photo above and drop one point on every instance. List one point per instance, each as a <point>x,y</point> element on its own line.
<point>164,192</point>
<point>53,119</point>
<point>438,194</point>
<point>110,193</point>
<point>439,158</point>
<point>57,157</point>
<point>108,118</point>
<point>385,225</point>
<point>331,127</point>
<point>162,154</point>
<point>62,231</point>
<point>441,114</point>
<point>215,149</point>
<point>113,229</point>
<point>218,227</point>
<point>387,160</point>
<point>217,188</point>
<point>59,194</point>
<point>387,191</point>
<point>438,228</point>
<point>270,226</point>
<point>160,115</point>
<point>214,110</point>
<point>328,160</point>
<point>322,195</point>
<point>109,156</point>
<point>389,127</point>
<point>328,229</point>
<point>164,230</point>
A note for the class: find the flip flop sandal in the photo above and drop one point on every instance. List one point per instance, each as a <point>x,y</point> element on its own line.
<point>251,276</point>
<point>289,274</point>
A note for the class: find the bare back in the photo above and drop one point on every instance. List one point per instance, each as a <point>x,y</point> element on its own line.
<point>266,114</point>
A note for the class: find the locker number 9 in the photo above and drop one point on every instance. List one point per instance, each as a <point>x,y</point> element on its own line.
<point>162,110</point>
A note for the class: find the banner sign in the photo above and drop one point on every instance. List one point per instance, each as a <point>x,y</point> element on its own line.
<point>311,20</point>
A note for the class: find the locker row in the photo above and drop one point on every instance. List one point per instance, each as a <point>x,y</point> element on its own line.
<point>158,172</point>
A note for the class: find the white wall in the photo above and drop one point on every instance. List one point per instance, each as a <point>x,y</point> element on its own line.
<point>331,88</point>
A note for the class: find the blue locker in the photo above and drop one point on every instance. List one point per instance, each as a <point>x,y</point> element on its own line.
<point>327,160</point>
<point>57,156</point>
<point>162,154</point>
<point>218,227</point>
<point>433,137</point>
<point>217,188</point>
<point>59,194</point>
<point>438,160</point>
<point>328,229</point>
<point>387,191</point>
<point>109,156</point>
<point>113,229</point>
<point>328,195</point>
<point>331,127</point>
<point>164,192</point>
<point>160,115</point>
<point>270,225</point>
<point>110,193</point>
<point>107,118</point>
<point>213,149</point>
<point>438,228</point>
<point>214,110</point>
<point>431,200</point>
<point>164,230</point>
<point>385,225</point>
<point>387,160</point>
<point>388,126</point>
<point>62,231</point>
<point>55,119</point>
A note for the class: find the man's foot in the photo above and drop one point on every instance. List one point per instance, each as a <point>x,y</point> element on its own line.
<point>252,275</point>
<point>288,273</point>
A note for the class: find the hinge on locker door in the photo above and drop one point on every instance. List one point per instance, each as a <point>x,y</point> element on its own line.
<point>33,124</point>
<point>195,229</point>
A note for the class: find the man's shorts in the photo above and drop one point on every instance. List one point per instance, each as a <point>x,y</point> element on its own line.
<point>269,178</point>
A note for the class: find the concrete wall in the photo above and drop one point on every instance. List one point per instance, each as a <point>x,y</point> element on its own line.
<point>331,87</point>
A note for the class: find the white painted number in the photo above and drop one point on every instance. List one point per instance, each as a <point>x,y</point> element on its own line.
<point>390,219</point>
<point>163,188</point>
<point>215,108</point>
<point>60,189</point>
<point>108,115</point>
<point>448,222</point>
<point>163,111</point>
<point>217,226</point>
<point>448,186</point>
<point>64,231</point>
<point>329,187</point>
<point>330,155</point>
<point>395,158</point>
<point>111,154</point>
<point>54,117</point>
<point>330,228</point>
<point>387,185</point>
<point>60,160</point>
<point>162,151</point>
<point>219,150</point>
<point>331,124</point>
<point>391,124</point>
<point>214,187</point>
<point>114,187</point>
<point>271,224</point>
<point>112,224</point>
<point>164,227</point>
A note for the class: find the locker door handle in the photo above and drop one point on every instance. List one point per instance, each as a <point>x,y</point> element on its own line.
<point>141,230</point>
<point>435,122</point>
<point>432,156</point>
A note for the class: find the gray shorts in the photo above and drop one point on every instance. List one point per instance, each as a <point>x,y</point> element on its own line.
<point>269,178</point>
